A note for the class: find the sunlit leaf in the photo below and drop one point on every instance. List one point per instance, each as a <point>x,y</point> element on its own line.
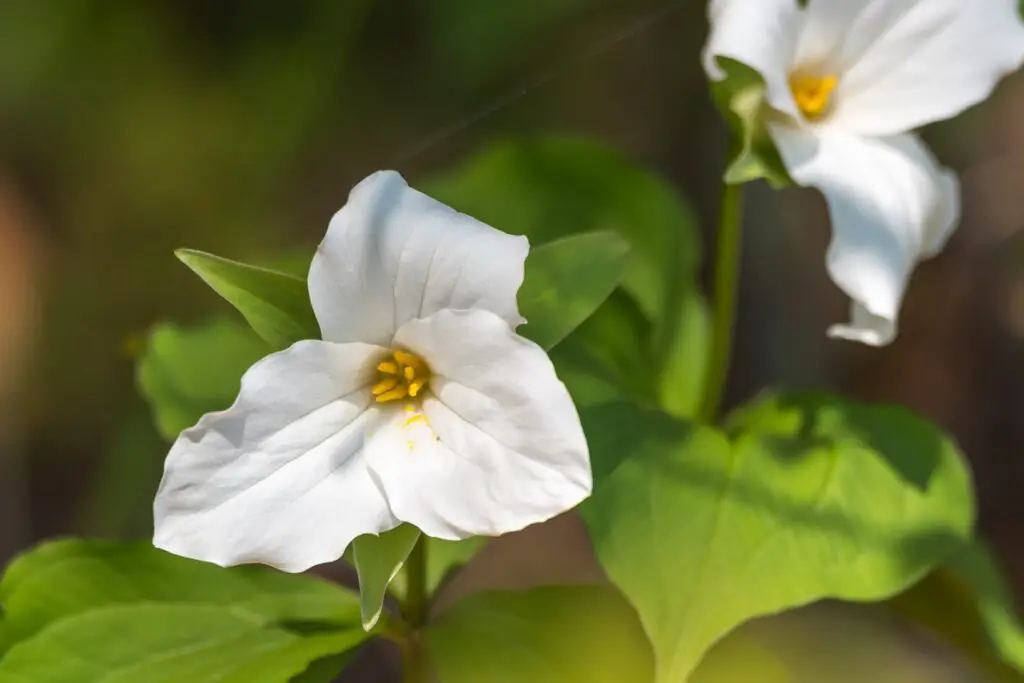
<point>740,97</point>
<point>166,643</point>
<point>63,578</point>
<point>806,498</point>
<point>276,305</point>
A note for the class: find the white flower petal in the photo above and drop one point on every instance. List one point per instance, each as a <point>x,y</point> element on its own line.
<point>891,205</point>
<point>392,254</point>
<point>279,478</point>
<point>762,35</point>
<point>905,63</point>
<point>501,446</point>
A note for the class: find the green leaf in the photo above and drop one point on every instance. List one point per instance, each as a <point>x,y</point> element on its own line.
<point>740,658</point>
<point>807,498</point>
<point>165,643</point>
<point>566,281</point>
<point>64,578</point>
<point>551,187</point>
<point>740,96</point>
<point>600,360</point>
<point>187,372</point>
<point>275,304</point>
<point>966,601</point>
<point>544,635</point>
<point>298,657</point>
<point>378,560</point>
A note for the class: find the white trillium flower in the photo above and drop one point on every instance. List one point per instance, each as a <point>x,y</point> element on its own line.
<point>420,405</point>
<point>847,80</point>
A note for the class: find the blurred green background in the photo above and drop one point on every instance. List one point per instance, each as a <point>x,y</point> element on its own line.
<point>129,129</point>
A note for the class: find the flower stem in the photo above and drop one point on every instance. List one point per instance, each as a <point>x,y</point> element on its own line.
<point>415,610</point>
<point>727,275</point>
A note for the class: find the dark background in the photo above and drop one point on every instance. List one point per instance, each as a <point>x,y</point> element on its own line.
<point>128,129</point>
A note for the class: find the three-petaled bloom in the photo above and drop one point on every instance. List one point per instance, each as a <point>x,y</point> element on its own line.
<point>846,80</point>
<point>421,404</point>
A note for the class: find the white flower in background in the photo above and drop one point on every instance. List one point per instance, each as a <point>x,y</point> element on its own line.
<point>847,80</point>
<point>420,405</point>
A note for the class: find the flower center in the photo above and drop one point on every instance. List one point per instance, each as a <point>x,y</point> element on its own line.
<point>402,375</point>
<point>813,94</point>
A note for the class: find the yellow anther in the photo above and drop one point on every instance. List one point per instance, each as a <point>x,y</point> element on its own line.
<point>415,386</point>
<point>384,386</point>
<point>813,94</point>
<point>406,358</point>
<point>393,395</point>
<point>410,408</point>
<point>404,375</point>
<point>413,419</point>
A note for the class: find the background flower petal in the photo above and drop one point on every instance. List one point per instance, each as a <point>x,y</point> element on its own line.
<point>891,205</point>
<point>499,446</point>
<point>906,63</point>
<point>759,33</point>
<point>392,254</point>
<point>279,477</point>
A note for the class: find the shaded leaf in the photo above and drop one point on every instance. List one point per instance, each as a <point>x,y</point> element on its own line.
<point>966,602</point>
<point>544,635</point>
<point>187,372</point>
<point>566,281</point>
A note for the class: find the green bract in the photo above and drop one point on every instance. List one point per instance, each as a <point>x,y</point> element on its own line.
<point>740,98</point>
<point>276,305</point>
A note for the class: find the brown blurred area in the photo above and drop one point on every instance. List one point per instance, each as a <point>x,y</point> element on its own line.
<point>239,127</point>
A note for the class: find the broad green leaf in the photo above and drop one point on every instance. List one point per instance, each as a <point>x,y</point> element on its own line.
<point>740,658</point>
<point>296,658</point>
<point>552,187</point>
<point>566,281</point>
<point>544,635</point>
<point>604,358</point>
<point>165,643</point>
<point>63,578</point>
<point>378,560</point>
<point>966,602</point>
<point>275,304</point>
<point>740,98</point>
<point>683,343</point>
<point>187,372</point>
<point>807,498</point>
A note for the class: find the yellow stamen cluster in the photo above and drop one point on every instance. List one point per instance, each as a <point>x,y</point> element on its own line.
<point>403,375</point>
<point>813,94</point>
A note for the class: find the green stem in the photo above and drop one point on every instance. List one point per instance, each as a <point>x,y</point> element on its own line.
<point>727,275</point>
<point>415,610</point>
<point>416,599</point>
